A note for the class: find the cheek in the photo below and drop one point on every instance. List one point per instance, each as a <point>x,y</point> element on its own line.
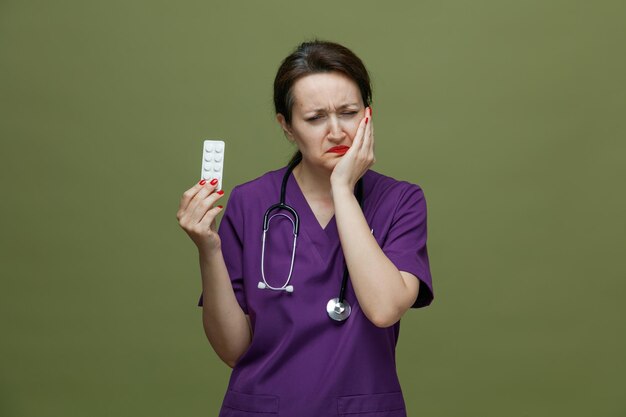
<point>309,136</point>
<point>315,132</point>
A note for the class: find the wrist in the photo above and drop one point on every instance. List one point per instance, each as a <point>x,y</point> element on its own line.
<point>209,253</point>
<point>340,191</point>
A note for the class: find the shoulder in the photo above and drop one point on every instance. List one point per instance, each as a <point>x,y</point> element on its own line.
<point>381,188</point>
<point>252,196</point>
<point>260,186</point>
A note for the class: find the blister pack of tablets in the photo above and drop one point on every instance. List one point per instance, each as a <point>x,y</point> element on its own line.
<point>213,161</point>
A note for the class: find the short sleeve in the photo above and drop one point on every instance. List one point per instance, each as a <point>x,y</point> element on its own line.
<point>405,244</point>
<point>231,234</point>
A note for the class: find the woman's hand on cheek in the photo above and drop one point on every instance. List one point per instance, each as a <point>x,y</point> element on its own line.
<point>359,158</point>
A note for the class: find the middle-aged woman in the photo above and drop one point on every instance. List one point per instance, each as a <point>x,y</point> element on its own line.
<point>304,340</point>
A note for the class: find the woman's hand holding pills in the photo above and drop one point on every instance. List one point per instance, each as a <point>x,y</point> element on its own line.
<point>196,214</point>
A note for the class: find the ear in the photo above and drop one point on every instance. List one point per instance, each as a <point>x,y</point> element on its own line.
<point>283,124</point>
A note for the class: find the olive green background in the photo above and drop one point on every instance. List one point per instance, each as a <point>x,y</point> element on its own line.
<point>509,114</point>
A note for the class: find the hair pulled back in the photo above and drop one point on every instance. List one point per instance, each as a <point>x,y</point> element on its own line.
<point>314,57</point>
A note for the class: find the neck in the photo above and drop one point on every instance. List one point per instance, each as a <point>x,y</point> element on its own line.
<point>311,180</point>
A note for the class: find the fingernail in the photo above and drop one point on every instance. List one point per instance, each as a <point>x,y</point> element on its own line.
<point>220,207</point>
<point>220,192</point>
<point>213,181</point>
<point>366,119</point>
<point>202,182</point>
<point>370,110</point>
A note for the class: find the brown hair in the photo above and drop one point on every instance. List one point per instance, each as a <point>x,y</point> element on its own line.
<point>313,57</point>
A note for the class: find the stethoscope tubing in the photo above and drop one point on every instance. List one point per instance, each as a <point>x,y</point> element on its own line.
<point>296,229</point>
<point>293,254</point>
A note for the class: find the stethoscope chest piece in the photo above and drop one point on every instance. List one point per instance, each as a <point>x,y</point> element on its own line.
<point>338,311</point>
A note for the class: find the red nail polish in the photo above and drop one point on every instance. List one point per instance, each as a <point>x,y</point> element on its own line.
<point>220,207</point>
<point>202,182</point>
<point>370,110</point>
<point>213,181</point>
<point>366,120</point>
<point>220,192</point>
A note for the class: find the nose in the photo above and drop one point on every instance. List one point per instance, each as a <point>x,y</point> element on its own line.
<point>335,130</point>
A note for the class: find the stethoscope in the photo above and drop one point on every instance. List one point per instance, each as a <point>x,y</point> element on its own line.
<point>337,308</point>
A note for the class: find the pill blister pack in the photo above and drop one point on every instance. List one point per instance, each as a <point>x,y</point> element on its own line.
<point>213,161</point>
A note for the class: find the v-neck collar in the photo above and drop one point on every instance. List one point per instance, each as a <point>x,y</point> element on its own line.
<point>325,239</point>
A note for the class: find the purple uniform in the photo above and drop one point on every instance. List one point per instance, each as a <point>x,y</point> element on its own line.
<point>301,363</point>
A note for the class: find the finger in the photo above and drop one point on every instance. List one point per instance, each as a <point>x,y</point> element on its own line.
<point>189,195</point>
<point>357,143</point>
<point>371,125</point>
<point>208,220</point>
<point>367,137</point>
<point>204,206</point>
<point>205,190</point>
<point>372,141</point>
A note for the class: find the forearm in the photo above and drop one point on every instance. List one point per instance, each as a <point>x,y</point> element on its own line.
<point>377,282</point>
<point>225,323</point>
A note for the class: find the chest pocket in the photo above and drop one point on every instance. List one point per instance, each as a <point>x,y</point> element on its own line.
<point>389,404</point>
<point>238,404</point>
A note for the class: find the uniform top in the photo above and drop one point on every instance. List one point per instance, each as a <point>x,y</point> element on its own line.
<point>301,362</point>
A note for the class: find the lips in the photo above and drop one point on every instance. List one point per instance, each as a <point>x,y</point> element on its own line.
<point>339,149</point>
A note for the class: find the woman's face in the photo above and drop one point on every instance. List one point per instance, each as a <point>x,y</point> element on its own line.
<point>326,113</point>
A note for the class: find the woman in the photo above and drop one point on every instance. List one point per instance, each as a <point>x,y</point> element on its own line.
<point>299,341</point>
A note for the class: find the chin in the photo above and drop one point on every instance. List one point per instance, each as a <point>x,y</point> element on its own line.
<point>325,163</point>
<point>330,165</point>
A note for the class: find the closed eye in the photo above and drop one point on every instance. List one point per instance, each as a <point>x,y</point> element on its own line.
<point>317,117</point>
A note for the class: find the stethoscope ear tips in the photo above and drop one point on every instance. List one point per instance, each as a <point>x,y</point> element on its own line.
<point>289,288</point>
<point>261,285</point>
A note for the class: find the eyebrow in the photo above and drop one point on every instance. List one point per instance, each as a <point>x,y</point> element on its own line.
<point>343,106</point>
